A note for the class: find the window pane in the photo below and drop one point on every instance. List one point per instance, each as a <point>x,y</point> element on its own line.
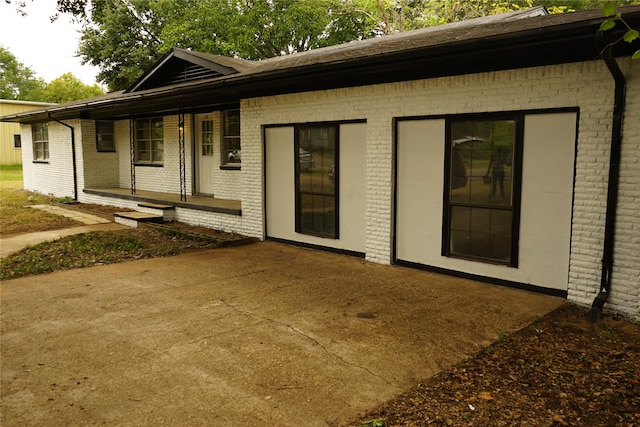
<point>149,140</point>
<point>231,136</point>
<point>316,168</point>
<point>207,138</point>
<point>157,129</point>
<point>40,141</point>
<point>104,136</point>
<point>481,188</point>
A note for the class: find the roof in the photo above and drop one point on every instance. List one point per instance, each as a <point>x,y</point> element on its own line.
<point>506,41</point>
<point>28,103</point>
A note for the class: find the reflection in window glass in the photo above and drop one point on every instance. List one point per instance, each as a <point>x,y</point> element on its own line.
<point>480,192</point>
<point>105,140</point>
<point>231,136</point>
<point>316,199</point>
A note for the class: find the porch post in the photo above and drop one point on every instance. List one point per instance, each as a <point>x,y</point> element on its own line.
<point>181,149</point>
<point>132,155</point>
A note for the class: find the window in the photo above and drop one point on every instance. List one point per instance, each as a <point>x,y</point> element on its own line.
<point>207,138</point>
<point>482,189</point>
<point>105,141</point>
<point>40,135</point>
<point>17,141</point>
<point>315,151</point>
<point>231,137</point>
<point>149,141</point>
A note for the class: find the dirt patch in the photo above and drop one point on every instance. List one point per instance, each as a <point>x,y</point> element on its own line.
<point>561,370</point>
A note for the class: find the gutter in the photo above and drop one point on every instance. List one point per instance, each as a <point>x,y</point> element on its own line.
<point>73,156</point>
<point>595,315</point>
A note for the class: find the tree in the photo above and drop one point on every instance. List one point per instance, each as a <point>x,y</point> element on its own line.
<point>124,38</point>
<point>68,88</point>
<point>610,11</point>
<point>17,81</point>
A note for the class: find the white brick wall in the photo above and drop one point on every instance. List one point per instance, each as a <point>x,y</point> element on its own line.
<point>585,85</point>
<point>152,178</point>
<point>55,177</point>
<point>100,169</point>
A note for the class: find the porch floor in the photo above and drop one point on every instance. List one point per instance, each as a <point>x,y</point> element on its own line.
<point>203,203</point>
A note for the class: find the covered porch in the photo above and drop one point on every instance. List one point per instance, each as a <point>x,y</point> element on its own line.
<point>201,203</point>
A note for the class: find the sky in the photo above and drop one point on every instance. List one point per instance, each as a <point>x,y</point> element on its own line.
<point>47,48</point>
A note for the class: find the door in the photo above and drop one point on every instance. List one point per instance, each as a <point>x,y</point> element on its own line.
<point>205,152</point>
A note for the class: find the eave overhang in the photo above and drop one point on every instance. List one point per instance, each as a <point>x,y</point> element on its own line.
<point>538,41</point>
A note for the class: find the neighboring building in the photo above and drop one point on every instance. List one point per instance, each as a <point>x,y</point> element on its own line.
<point>10,139</point>
<point>486,149</point>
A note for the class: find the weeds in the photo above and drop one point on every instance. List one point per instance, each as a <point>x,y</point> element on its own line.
<point>95,248</point>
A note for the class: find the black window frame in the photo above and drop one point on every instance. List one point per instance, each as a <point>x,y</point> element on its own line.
<point>227,159</point>
<point>151,140</point>
<point>335,177</point>
<point>40,130</point>
<point>105,141</point>
<point>516,187</point>
<point>17,141</point>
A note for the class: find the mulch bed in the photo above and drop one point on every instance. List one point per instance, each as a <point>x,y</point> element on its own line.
<point>562,370</point>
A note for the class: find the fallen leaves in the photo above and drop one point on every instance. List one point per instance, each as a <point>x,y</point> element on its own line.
<point>562,370</point>
<point>485,395</point>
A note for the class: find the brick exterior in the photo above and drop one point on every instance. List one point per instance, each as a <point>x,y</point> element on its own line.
<point>587,86</point>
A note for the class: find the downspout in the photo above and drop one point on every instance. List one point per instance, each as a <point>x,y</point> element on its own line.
<point>595,315</point>
<point>73,156</point>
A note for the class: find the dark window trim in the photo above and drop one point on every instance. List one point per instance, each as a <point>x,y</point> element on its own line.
<point>231,167</point>
<point>517,186</point>
<point>44,159</point>
<point>472,116</point>
<point>336,195</point>
<point>330,249</point>
<point>225,164</point>
<point>149,163</point>
<point>17,141</point>
<point>397,120</point>
<point>486,279</point>
<point>113,133</point>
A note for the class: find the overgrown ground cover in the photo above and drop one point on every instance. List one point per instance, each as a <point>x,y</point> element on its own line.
<point>81,250</point>
<point>561,370</point>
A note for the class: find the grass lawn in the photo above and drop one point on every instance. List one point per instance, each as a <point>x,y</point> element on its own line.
<point>15,215</point>
<point>80,250</point>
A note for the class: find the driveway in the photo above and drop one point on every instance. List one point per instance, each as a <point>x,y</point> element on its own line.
<point>263,334</point>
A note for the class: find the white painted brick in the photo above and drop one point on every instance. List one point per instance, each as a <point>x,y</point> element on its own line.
<point>587,86</point>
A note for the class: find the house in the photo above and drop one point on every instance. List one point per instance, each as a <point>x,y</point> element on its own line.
<point>10,139</point>
<point>500,149</point>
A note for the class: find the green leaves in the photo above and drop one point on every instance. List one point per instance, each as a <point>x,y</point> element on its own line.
<point>609,9</point>
<point>631,35</point>
<point>608,24</point>
<point>611,12</point>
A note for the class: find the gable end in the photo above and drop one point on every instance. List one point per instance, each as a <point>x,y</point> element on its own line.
<point>179,66</point>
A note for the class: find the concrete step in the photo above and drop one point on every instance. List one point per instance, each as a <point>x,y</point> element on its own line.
<point>166,211</point>
<point>131,219</point>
